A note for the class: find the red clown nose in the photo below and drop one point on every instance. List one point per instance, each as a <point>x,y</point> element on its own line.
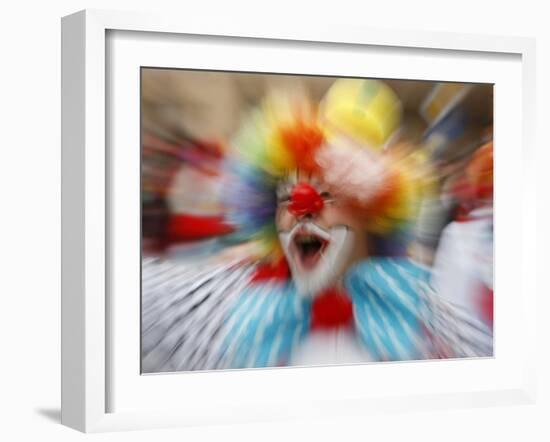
<point>304,199</point>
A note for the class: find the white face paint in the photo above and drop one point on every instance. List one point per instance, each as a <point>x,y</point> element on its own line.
<point>316,256</point>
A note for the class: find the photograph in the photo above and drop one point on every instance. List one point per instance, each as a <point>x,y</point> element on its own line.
<point>306,220</point>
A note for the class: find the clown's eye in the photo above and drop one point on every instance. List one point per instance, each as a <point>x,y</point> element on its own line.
<point>284,198</point>
<point>325,195</point>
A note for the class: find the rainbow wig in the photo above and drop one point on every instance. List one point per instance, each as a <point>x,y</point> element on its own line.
<point>343,140</point>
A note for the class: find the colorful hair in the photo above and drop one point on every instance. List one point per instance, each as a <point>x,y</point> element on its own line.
<point>341,140</point>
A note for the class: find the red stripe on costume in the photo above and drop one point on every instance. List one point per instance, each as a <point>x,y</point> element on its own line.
<point>184,227</point>
<point>278,271</point>
<point>486,302</point>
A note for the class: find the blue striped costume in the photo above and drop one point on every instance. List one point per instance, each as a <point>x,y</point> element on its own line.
<point>395,318</point>
<point>215,318</point>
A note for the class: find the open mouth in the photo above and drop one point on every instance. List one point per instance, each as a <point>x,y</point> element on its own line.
<point>316,255</point>
<point>308,248</point>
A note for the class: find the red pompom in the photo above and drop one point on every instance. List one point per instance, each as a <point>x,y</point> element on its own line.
<point>332,308</point>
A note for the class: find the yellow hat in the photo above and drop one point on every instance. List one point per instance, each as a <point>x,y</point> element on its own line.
<point>365,110</point>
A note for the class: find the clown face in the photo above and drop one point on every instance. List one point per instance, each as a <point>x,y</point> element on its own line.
<point>321,235</point>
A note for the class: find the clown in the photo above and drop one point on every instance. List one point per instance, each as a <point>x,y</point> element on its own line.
<point>327,202</point>
<point>319,188</point>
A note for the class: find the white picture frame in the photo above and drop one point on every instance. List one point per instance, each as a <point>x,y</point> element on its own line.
<point>87,202</point>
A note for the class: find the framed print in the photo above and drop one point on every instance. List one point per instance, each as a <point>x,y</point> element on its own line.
<point>262,223</point>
